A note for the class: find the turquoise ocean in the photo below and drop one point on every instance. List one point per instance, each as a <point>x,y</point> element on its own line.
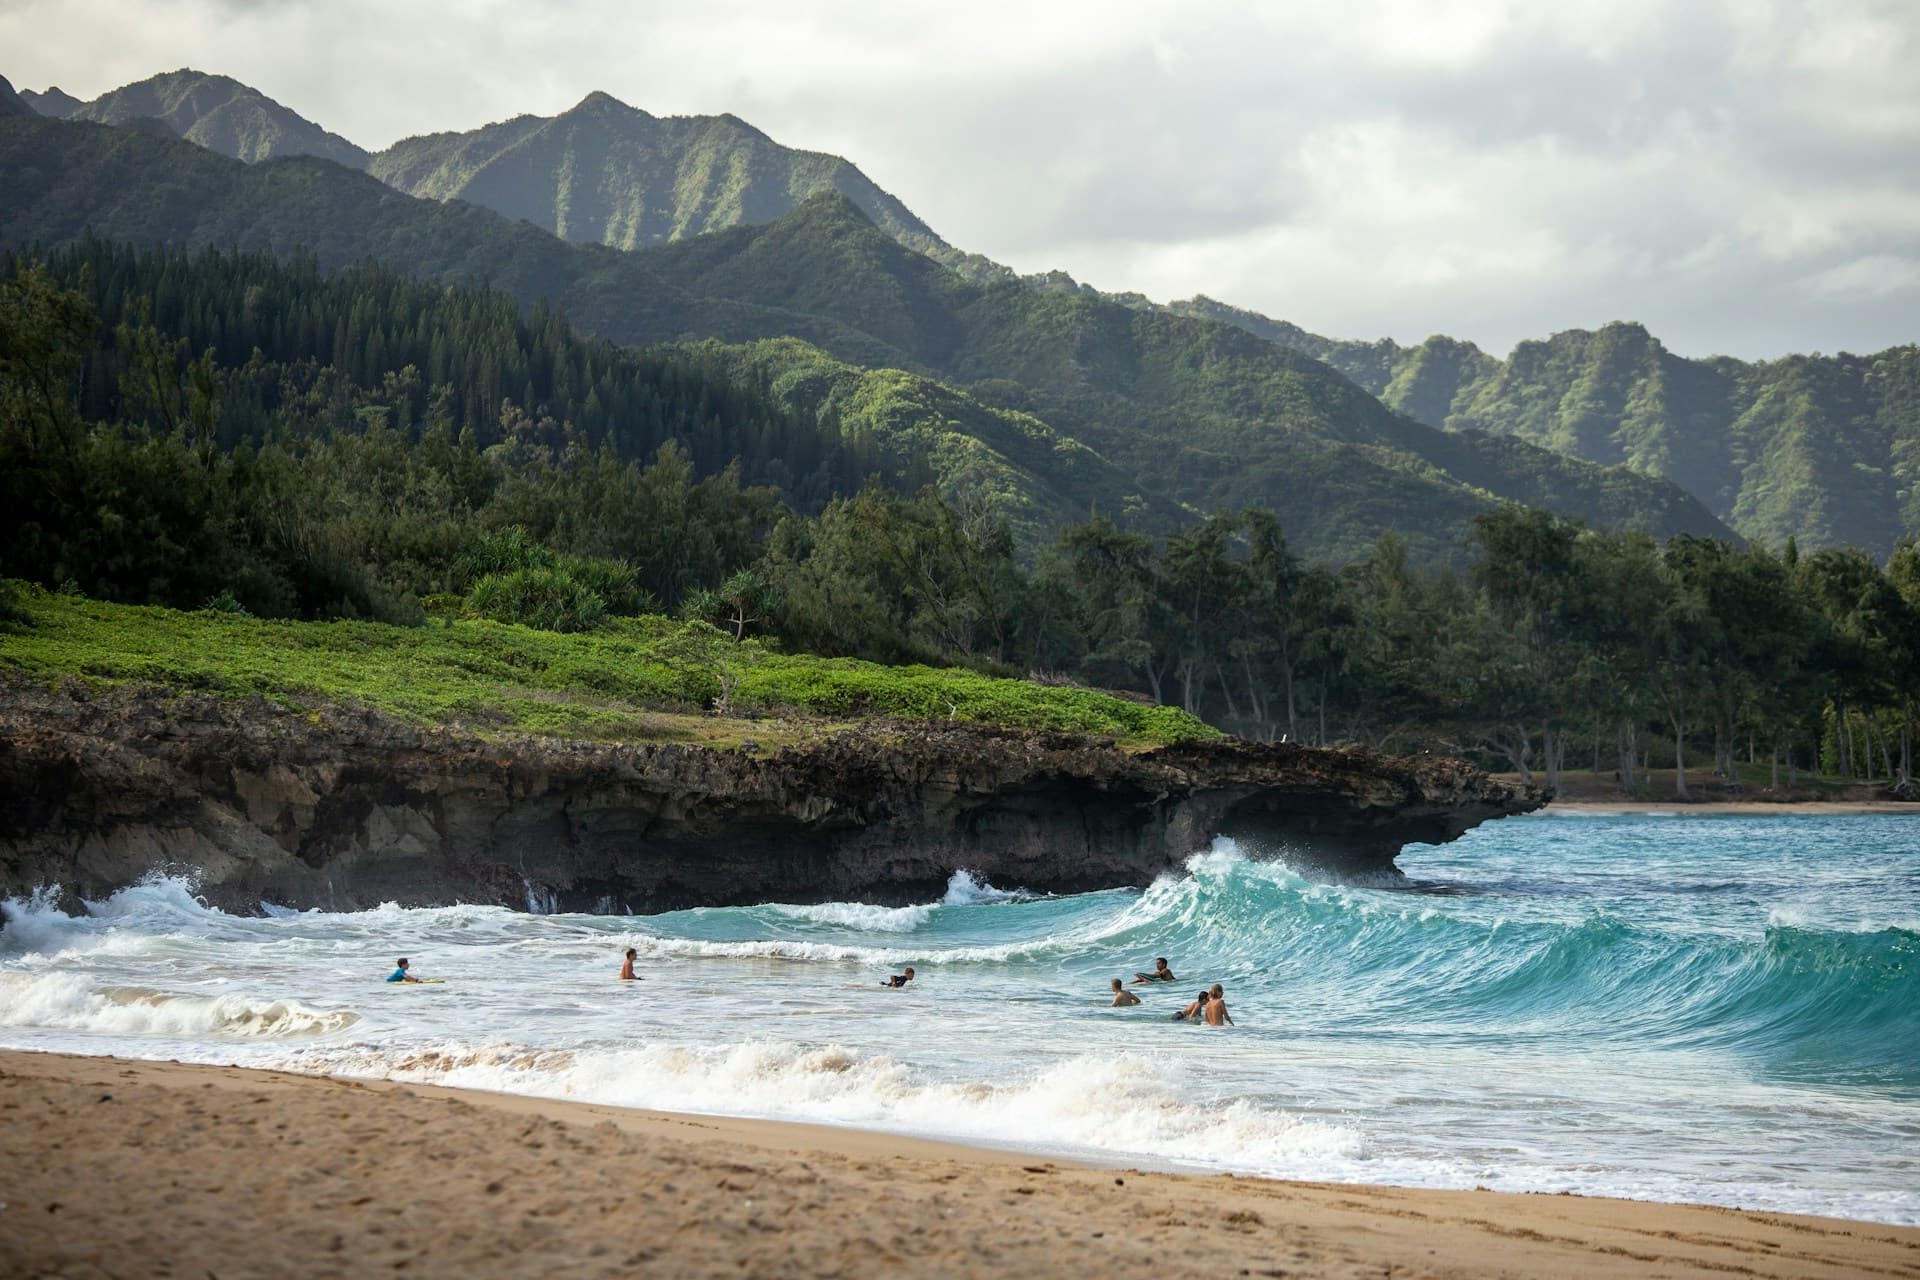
<point>1699,1008</point>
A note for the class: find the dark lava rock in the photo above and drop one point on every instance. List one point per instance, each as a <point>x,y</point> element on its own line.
<point>346,808</point>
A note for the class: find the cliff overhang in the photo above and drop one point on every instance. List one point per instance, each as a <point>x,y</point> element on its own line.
<point>345,808</point>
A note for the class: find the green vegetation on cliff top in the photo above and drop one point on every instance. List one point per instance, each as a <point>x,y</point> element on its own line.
<point>641,679</point>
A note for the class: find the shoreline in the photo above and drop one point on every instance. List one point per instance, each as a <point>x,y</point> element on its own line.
<point>188,1169</point>
<point>1741,808</point>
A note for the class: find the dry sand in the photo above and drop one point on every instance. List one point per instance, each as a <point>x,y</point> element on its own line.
<point>117,1168</point>
<point>1742,808</point>
<point>1581,791</point>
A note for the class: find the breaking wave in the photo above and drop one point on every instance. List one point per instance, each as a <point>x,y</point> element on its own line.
<point>69,1002</point>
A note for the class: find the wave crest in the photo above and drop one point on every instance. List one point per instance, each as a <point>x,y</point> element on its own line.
<point>68,1002</point>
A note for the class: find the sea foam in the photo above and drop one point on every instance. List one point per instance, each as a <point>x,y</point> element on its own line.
<point>1132,1103</point>
<point>68,1002</point>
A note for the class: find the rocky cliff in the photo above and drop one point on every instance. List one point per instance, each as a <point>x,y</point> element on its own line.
<point>346,808</point>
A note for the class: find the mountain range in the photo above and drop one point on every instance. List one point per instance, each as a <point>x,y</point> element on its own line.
<point>1194,414</point>
<point>1825,449</point>
<point>755,241</point>
<point>600,173</point>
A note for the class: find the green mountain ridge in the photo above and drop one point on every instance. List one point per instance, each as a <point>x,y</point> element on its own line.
<point>1194,412</point>
<point>1026,471</point>
<point>55,102</point>
<point>1218,417</point>
<point>223,115</point>
<point>602,172</point>
<point>607,173</point>
<point>1825,449</point>
<point>124,183</point>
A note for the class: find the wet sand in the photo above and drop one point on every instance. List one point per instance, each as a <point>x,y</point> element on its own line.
<point>119,1168</point>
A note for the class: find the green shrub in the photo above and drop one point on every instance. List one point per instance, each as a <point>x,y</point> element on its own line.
<point>12,611</point>
<point>502,551</point>
<point>614,581</point>
<point>546,599</point>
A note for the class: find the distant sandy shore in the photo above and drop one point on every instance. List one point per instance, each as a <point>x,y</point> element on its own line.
<point>118,1168</point>
<point>1707,808</point>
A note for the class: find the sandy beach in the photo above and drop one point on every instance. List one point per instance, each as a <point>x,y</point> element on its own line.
<point>1583,792</point>
<point>1737,808</point>
<point>121,1168</point>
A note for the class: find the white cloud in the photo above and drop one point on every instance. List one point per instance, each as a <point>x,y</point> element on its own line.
<point>1878,276</point>
<point>1717,170</point>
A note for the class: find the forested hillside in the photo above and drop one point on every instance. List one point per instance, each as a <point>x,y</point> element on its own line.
<point>334,480</point>
<point>787,414</point>
<point>1196,413</point>
<point>1823,448</point>
<point>1010,463</point>
<point>1218,418</point>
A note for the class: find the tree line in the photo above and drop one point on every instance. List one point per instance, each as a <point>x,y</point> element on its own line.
<point>1556,642</point>
<point>227,431</point>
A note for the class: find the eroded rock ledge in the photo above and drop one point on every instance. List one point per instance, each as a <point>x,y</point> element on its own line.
<point>346,808</point>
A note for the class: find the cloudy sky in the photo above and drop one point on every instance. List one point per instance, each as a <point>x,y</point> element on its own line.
<point>1743,176</point>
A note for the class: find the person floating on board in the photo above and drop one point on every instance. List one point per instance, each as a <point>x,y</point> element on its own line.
<point>1160,973</point>
<point>898,979</point>
<point>626,966</point>
<point>400,974</point>
<point>1193,1012</point>
<point>1216,1010</point>
<point>1122,997</point>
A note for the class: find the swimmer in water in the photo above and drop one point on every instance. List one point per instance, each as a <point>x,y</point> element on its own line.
<point>626,967</point>
<point>1160,973</point>
<point>1216,1010</point>
<point>1122,997</point>
<point>898,979</point>
<point>1193,1012</point>
<point>400,974</point>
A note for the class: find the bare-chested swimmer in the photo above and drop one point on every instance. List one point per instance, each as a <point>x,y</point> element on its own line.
<point>898,979</point>
<point>1216,1010</point>
<point>1195,1011</point>
<point>626,966</point>
<point>1122,997</point>
<point>1160,973</point>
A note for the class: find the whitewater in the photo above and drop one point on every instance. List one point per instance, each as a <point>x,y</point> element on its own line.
<point>1713,1009</point>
